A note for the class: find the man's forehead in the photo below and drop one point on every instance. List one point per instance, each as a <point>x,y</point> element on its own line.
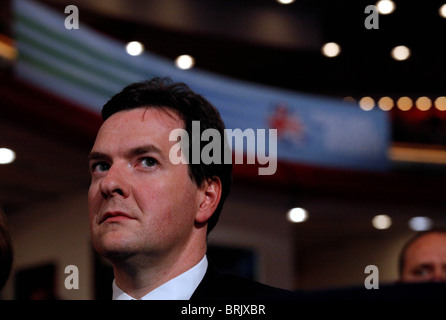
<point>140,122</point>
<point>130,129</point>
<point>428,246</point>
<point>431,239</point>
<point>145,114</point>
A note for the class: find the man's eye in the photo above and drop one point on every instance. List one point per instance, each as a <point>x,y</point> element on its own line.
<point>100,166</point>
<point>422,272</point>
<point>149,162</point>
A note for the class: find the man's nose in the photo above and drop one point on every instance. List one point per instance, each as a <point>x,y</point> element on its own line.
<point>114,183</point>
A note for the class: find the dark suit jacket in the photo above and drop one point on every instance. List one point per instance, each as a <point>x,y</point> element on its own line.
<point>217,286</point>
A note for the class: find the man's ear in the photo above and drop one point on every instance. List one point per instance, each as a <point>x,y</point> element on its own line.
<point>209,199</point>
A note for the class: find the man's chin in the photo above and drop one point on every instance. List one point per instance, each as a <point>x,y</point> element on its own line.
<point>114,248</point>
<point>115,254</point>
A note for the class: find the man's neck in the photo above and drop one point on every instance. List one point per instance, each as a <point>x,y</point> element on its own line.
<point>181,287</point>
<point>137,278</point>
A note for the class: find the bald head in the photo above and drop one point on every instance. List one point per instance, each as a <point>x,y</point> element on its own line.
<point>423,258</point>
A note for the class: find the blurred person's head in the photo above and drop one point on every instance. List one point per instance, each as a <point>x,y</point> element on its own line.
<point>423,257</point>
<point>6,251</point>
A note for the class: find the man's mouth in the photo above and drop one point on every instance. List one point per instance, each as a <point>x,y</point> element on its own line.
<point>115,216</point>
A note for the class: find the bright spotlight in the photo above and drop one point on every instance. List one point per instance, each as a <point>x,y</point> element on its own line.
<point>134,48</point>
<point>420,223</point>
<point>331,49</point>
<point>382,221</point>
<point>297,215</point>
<point>185,62</point>
<point>6,156</point>
<point>385,6</point>
<point>400,53</point>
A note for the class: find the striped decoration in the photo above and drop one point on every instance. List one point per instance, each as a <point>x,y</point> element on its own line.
<point>87,68</point>
<point>78,64</point>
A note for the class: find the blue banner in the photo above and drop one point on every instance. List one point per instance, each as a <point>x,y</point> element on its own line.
<point>87,68</point>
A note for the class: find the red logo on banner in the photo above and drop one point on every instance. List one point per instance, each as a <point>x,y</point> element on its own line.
<point>289,126</point>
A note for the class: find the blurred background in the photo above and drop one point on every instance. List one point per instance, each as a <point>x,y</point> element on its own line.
<point>357,98</point>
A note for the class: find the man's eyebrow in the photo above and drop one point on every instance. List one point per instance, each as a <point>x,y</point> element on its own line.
<point>136,151</point>
<point>145,149</point>
<point>97,155</point>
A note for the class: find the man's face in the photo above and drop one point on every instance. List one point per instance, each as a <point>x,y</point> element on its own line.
<point>426,259</point>
<point>139,202</point>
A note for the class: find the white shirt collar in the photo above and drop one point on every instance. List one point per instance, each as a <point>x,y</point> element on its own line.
<point>179,288</point>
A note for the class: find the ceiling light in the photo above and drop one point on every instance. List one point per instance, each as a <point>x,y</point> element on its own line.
<point>6,156</point>
<point>185,62</point>
<point>404,103</point>
<point>385,6</point>
<point>400,53</point>
<point>7,49</point>
<point>134,48</point>
<point>297,215</point>
<point>442,11</point>
<point>423,103</point>
<point>420,223</point>
<point>285,1</point>
<point>440,103</point>
<point>331,49</point>
<point>366,103</point>
<point>381,221</point>
<point>349,99</point>
<point>385,103</point>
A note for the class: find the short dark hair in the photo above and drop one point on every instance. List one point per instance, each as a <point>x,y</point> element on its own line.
<point>418,235</point>
<point>163,93</point>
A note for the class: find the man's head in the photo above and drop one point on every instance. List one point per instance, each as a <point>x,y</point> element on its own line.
<point>133,179</point>
<point>423,257</point>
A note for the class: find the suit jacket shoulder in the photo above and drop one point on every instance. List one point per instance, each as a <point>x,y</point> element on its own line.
<point>216,286</point>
